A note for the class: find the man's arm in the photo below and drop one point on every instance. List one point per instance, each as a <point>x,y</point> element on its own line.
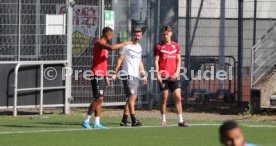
<point>178,62</point>
<point>117,66</point>
<point>102,44</point>
<point>142,72</point>
<point>156,68</point>
<point>141,68</point>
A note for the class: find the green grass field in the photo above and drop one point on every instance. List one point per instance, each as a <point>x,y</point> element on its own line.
<point>66,130</point>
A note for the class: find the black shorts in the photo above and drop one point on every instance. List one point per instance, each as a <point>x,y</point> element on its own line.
<point>169,84</point>
<point>98,86</point>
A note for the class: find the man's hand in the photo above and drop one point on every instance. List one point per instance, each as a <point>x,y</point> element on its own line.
<point>174,77</point>
<point>114,77</point>
<point>159,79</point>
<point>107,82</point>
<point>145,80</point>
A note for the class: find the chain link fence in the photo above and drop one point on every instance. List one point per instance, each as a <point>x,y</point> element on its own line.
<point>23,27</point>
<point>207,31</point>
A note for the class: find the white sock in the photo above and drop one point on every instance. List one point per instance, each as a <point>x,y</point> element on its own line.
<point>163,117</point>
<point>180,118</point>
<point>87,118</point>
<point>97,121</point>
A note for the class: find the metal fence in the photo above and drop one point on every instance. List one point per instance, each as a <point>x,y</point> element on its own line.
<point>86,29</point>
<point>263,71</point>
<point>127,14</point>
<point>204,84</point>
<point>23,26</point>
<point>219,29</point>
<point>264,56</point>
<point>32,38</point>
<point>210,33</point>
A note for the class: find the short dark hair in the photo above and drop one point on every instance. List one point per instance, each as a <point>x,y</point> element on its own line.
<point>136,29</point>
<point>226,126</point>
<point>166,28</point>
<point>106,29</point>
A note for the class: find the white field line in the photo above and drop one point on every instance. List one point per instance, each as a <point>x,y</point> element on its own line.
<point>157,126</point>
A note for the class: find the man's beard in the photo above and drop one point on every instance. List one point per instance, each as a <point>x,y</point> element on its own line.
<point>135,40</point>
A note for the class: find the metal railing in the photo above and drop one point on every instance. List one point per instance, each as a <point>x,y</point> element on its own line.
<point>22,37</point>
<point>41,88</point>
<point>24,42</point>
<point>263,55</point>
<point>226,88</point>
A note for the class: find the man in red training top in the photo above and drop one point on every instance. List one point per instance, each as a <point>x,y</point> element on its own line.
<point>99,72</point>
<point>167,61</point>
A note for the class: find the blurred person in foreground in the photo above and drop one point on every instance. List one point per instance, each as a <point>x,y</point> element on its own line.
<point>231,134</point>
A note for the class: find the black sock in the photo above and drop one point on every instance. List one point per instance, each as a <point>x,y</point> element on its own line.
<point>133,119</point>
<point>124,119</point>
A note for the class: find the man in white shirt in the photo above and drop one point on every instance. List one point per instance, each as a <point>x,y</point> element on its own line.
<point>132,69</point>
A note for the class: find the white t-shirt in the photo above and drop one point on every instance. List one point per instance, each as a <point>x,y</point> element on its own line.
<point>132,59</point>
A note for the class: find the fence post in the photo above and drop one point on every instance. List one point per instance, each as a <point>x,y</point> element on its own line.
<point>187,48</point>
<point>240,51</point>
<point>19,30</point>
<point>70,4</point>
<point>102,16</point>
<point>222,44</point>
<point>254,22</point>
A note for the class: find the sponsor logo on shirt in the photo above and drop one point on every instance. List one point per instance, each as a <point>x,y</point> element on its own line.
<point>168,57</point>
<point>134,54</point>
<point>106,54</point>
<point>101,92</point>
<point>173,46</point>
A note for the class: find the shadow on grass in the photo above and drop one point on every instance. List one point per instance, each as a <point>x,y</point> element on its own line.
<point>19,126</point>
<point>216,107</point>
<point>75,123</point>
<point>10,113</point>
<point>112,124</point>
<point>61,123</point>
